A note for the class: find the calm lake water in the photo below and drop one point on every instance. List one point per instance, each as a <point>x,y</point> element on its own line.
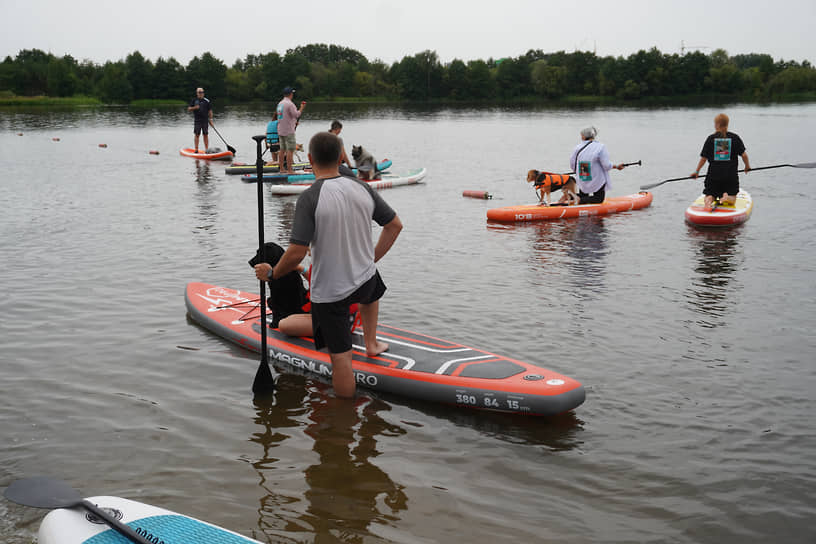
<point>696,348</point>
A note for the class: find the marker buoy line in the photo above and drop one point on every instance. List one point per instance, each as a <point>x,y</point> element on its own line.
<point>477,194</point>
<point>103,145</point>
<point>153,152</point>
<point>19,134</point>
<point>55,139</point>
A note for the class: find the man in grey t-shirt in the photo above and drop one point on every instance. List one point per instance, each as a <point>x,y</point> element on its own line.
<point>334,216</point>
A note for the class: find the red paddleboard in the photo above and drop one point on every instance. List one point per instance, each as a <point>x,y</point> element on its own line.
<point>540,212</point>
<point>415,366</point>
<point>722,215</point>
<point>220,156</point>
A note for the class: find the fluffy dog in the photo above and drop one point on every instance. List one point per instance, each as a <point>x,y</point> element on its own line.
<point>364,162</point>
<point>545,182</point>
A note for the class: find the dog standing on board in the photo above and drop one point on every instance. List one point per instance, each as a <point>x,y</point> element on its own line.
<point>545,182</point>
<point>364,162</point>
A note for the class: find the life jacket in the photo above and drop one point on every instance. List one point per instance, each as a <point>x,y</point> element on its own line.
<point>552,181</point>
<point>272,132</point>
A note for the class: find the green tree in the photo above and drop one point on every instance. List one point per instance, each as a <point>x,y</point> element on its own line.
<point>32,72</point>
<point>513,78</point>
<point>481,84</point>
<point>207,72</point>
<point>456,80</point>
<point>140,75</point>
<point>62,78</point>
<point>170,80</point>
<point>549,81</point>
<point>114,86</point>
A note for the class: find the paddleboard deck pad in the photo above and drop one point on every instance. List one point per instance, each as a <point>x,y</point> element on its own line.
<point>723,215</point>
<point>387,180</point>
<point>415,366</point>
<point>539,212</point>
<point>78,526</point>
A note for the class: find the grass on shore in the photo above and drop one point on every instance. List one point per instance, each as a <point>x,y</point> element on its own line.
<point>14,100</point>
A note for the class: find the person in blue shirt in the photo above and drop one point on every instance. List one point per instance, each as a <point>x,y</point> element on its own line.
<point>272,138</point>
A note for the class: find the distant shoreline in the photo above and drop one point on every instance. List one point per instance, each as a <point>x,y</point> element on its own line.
<point>570,100</point>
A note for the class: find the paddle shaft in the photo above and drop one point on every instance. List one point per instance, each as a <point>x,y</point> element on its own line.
<point>264,382</point>
<point>229,147</point>
<point>115,524</point>
<point>638,163</point>
<point>799,165</point>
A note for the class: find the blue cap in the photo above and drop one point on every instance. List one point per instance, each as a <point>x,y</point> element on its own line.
<point>288,90</point>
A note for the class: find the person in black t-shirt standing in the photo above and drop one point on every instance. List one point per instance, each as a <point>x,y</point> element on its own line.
<point>721,150</point>
<point>202,115</point>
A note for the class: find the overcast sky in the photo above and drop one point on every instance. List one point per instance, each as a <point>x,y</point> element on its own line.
<point>389,30</point>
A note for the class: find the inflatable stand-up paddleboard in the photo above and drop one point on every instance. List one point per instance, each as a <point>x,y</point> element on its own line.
<point>382,166</point>
<point>218,156</point>
<point>540,212</point>
<point>240,168</point>
<point>415,366</point>
<point>78,526</point>
<point>722,215</point>
<point>387,180</point>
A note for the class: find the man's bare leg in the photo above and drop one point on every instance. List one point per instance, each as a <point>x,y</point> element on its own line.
<point>369,313</point>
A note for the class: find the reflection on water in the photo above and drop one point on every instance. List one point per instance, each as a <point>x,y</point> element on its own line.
<point>580,245</point>
<point>719,255</point>
<point>345,492</point>
<point>555,433</point>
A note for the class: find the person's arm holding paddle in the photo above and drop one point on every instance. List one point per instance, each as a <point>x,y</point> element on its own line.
<point>290,260</point>
<point>699,166</point>
<point>746,162</point>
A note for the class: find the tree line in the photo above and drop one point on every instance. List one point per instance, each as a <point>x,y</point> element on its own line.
<point>320,71</point>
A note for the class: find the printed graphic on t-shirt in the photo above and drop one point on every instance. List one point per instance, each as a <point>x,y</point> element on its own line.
<point>280,111</point>
<point>722,149</point>
<point>585,170</point>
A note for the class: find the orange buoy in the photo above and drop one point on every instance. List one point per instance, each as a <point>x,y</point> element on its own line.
<point>103,145</point>
<point>153,152</point>
<point>477,194</point>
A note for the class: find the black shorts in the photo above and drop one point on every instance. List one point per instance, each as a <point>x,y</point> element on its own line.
<point>274,148</point>
<point>717,188</point>
<point>201,126</point>
<point>330,320</point>
<point>595,198</point>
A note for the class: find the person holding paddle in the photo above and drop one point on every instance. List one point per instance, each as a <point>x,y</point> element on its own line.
<point>202,117</point>
<point>721,150</point>
<point>334,216</point>
<point>590,162</point>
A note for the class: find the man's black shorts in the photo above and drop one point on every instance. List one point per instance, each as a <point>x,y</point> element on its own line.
<point>200,126</point>
<point>330,320</point>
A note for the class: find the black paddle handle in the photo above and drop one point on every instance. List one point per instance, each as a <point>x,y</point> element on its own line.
<point>114,523</point>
